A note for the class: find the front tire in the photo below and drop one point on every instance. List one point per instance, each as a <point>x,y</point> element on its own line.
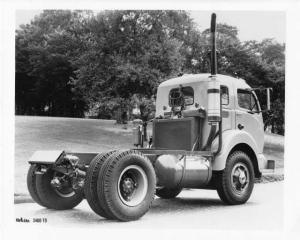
<point>128,185</point>
<point>236,181</point>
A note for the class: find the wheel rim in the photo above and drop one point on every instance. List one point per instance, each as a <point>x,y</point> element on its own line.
<point>64,192</point>
<point>132,185</point>
<point>240,178</point>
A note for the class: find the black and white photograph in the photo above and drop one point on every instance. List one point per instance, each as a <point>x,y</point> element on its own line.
<point>150,118</point>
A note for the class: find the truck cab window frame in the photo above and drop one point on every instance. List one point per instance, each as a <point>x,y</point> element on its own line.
<point>224,95</point>
<point>188,96</point>
<point>247,100</point>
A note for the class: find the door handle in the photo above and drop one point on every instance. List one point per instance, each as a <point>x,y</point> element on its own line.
<point>240,126</point>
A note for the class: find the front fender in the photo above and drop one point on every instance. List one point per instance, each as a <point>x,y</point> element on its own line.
<point>231,138</point>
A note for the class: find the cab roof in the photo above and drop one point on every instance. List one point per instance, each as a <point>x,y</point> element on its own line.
<point>202,77</point>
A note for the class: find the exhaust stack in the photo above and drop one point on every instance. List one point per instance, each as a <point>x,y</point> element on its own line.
<point>213,91</point>
<point>213,64</point>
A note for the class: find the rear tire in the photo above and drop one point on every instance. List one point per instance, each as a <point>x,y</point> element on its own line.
<point>90,186</point>
<point>236,181</point>
<point>128,185</point>
<point>168,193</point>
<point>31,184</point>
<point>53,198</point>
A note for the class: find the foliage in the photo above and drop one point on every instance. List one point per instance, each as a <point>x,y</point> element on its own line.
<point>44,69</point>
<point>76,63</point>
<point>145,105</point>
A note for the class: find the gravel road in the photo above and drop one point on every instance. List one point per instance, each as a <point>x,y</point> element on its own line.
<point>197,209</point>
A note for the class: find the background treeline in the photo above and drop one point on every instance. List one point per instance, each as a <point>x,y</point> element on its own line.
<point>78,63</point>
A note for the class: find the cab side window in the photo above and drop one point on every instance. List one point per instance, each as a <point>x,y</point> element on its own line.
<point>224,95</point>
<point>247,100</point>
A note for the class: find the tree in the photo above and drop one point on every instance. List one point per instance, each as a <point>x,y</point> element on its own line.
<point>129,52</point>
<point>44,68</point>
<point>75,63</point>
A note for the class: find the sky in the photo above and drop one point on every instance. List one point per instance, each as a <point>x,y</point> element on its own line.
<point>252,25</point>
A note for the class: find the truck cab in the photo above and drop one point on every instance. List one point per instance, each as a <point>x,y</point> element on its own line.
<point>242,122</point>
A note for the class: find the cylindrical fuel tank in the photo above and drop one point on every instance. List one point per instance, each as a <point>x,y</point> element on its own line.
<point>213,98</point>
<point>187,172</point>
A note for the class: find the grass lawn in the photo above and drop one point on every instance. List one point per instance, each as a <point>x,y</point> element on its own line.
<point>274,149</point>
<point>85,135</point>
<point>78,135</point>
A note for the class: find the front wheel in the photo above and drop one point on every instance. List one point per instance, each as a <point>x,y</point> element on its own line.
<point>236,181</point>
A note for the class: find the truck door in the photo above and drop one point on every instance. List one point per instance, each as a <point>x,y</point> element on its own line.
<point>228,113</point>
<point>249,117</point>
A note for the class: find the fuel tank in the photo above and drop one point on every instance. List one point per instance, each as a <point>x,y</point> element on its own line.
<point>184,171</point>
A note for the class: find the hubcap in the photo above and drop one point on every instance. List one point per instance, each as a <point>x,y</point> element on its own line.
<point>240,178</point>
<point>132,185</point>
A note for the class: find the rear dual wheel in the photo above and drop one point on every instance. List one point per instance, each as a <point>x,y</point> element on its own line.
<point>125,185</point>
<point>90,185</point>
<point>31,184</point>
<point>43,193</point>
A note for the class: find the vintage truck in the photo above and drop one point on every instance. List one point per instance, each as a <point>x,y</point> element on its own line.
<point>207,134</point>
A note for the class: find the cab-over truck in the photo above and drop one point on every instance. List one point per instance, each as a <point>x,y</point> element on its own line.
<point>207,134</point>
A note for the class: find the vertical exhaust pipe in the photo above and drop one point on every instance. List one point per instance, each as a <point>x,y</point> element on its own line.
<point>214,107</point>
<point>213,91</point>
<point>213,64</point>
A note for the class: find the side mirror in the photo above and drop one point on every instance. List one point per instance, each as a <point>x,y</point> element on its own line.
<point>268,99</point>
